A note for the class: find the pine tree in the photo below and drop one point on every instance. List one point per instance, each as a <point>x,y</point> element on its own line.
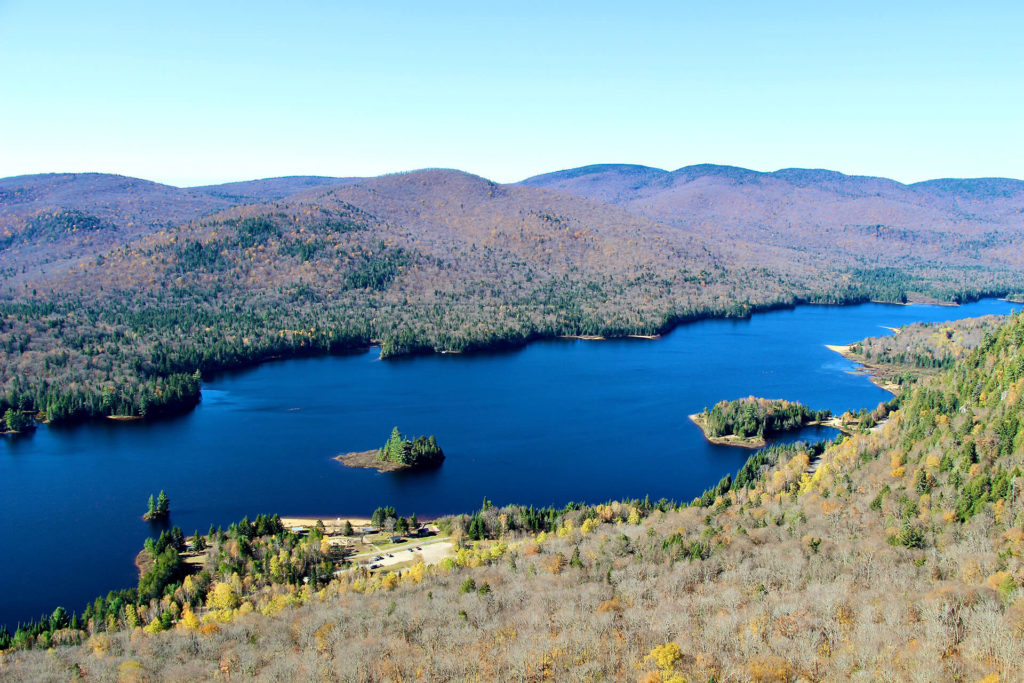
<point>163,504</point>
<point>576,561</point>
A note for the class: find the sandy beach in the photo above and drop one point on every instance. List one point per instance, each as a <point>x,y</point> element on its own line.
<point>333,523</point>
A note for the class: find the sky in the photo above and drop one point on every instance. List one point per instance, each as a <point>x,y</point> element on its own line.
<point>191,93</point>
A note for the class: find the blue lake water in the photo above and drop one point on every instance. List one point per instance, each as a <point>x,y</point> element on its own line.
<point>557,421</point>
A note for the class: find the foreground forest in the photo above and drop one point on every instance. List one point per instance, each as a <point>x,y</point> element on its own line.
<point>896,554</point>
<point>117,294</point>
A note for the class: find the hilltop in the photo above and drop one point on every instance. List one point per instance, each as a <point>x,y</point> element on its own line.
<point>796,216</point>
<point>898,555</point>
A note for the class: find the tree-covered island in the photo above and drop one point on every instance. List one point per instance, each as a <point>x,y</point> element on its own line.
<point>746,421</point>
<point>16,422</point>
<point>399,453</point>
<point>159,509</point>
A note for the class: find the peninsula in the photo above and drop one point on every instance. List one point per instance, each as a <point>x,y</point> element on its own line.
<point>919,350</point>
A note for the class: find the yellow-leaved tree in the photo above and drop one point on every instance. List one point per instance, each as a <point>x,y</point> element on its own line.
<point>665,657</point>
<point>223,596</point>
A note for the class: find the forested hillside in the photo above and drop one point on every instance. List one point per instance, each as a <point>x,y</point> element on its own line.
<point>106,310</point>
<point>920,349</point>
<point>808,217</point>
<point>53,220</point>
<point>897,556</point>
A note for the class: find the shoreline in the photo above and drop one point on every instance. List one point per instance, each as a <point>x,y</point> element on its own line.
<point>878,376</point>
<point>368,460</point>
<point>331,521</point>
<point>751,442</point>
<point>754,442</point>
<point>663,330</point>
<point>335,522</point>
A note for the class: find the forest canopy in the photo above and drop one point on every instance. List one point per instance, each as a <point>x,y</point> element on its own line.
<point>422,451</point>
<point>747,417</point>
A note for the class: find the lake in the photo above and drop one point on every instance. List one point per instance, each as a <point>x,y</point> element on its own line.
<point>557,421</point>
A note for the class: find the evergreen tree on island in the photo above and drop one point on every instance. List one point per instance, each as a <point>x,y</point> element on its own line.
<point>16,420</point>
<point>159,509</point>
<point>422,451</point>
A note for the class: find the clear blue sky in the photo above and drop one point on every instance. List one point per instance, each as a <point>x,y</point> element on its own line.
<point>202,92</point>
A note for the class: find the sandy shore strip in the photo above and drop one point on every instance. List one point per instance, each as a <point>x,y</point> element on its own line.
<point>729,439</point>
<point>370,460</point>
<point>878,376</point>
<point>839,349</point>
<point>333,523</point>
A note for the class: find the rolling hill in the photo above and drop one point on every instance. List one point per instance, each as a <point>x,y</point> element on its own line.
<point>116,291</point>
<point>795,213</point>
<point>62,217</point>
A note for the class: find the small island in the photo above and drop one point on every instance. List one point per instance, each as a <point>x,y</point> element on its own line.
<point>16,422</point>
<point>398,453</point>
<point>158,510</point>
<point>745,422</point>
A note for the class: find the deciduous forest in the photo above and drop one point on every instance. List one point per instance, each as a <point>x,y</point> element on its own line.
<point>899,554</point>
<point>118,295</point>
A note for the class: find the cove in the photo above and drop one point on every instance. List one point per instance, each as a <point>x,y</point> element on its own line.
<point>556,421</point>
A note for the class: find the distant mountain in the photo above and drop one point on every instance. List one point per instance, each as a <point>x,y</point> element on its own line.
<point>65,217</point>
<point>624,183</point>
<point>117,200</point>
<point>980,188</point>
<point>610,183</point>
<point>815,210</point>
<point>55,217</point>
<point>269,189</point>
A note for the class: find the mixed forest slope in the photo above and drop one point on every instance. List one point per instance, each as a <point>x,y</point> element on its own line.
<point>433,260</point>
<point>900,557</point>
<point>56,218</point>
<point>49,220</point>
<point>919,349</point>
<point>828,220</point>
<point>270,189</point>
